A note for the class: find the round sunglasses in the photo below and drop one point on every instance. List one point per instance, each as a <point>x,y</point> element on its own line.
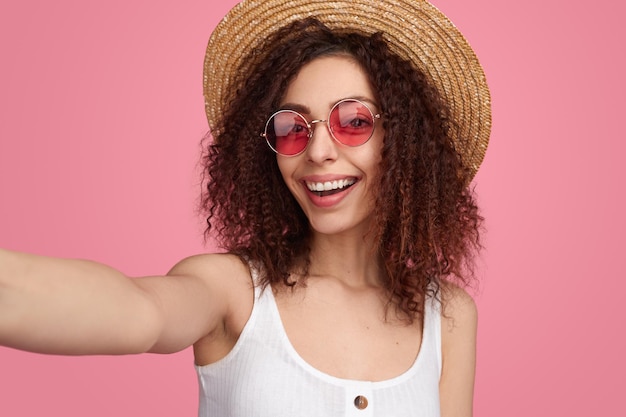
<point>350,122</point>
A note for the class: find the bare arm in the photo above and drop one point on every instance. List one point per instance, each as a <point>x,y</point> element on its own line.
<point>458,328</point>
<point>77,307</point>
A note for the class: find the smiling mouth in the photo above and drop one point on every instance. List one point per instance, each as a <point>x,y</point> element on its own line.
<point>323,189</point>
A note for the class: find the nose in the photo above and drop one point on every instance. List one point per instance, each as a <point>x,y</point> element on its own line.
<point>322,146</point>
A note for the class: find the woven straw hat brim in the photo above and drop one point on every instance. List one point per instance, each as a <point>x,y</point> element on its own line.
<point>414,29</point>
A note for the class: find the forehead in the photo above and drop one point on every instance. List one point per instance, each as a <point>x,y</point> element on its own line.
<point>322,82</point>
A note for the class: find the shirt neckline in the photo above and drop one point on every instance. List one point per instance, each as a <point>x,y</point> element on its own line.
<point>425,342</point>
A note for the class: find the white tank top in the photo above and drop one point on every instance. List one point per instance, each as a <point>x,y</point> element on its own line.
<point>263,376</point>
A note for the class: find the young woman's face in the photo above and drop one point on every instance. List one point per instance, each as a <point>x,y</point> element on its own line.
<point>345,174</point>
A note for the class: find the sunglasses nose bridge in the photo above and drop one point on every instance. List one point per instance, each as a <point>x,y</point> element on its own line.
<point>312,126</point>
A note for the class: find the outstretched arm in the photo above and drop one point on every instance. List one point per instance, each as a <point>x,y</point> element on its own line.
<point>77,307</point>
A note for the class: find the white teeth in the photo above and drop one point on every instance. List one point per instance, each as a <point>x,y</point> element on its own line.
<point>329,185</point>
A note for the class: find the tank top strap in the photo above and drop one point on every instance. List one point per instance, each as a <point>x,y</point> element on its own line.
<point>432,327</point>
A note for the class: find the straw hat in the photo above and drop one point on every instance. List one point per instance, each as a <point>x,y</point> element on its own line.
<point>414,29</point>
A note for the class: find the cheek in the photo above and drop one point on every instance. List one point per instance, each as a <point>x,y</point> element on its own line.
<point>374,154</point>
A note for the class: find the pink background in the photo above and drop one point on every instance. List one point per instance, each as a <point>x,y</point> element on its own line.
<point>100,121</point>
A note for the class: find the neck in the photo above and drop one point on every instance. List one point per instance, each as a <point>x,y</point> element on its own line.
<point>353,260</point>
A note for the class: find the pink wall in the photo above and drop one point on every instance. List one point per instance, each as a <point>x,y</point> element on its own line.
<point>101,115</point>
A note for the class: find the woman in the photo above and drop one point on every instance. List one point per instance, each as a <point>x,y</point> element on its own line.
<point>337,182</point>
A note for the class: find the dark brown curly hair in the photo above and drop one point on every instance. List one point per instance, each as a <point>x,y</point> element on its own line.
<point>426,219</point>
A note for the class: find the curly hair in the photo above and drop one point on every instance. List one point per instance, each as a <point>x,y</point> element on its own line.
<point>426,220</point>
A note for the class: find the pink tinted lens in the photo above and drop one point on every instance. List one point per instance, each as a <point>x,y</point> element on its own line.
<point>351,122</point>
<point>287,133</point>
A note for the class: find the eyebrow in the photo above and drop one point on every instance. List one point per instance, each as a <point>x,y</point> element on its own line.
<point>301,108</point>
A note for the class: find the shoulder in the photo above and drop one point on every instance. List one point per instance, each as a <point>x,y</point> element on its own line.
<point>458,308</point>
<point>208,264</point>
<point>226,277</point>
<point>231,290</point>
<point>215,269</point>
